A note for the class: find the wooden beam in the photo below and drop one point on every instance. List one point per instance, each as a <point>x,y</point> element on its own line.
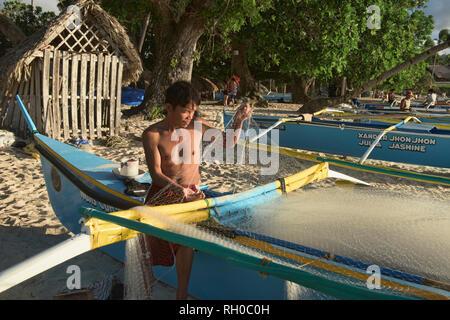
<point>112,108</point>
<point>45,92</point>
<point>38,93</point>
<point>55,95</point>
<point>74,95</point>
<point>65,95</point>
<point>119,96</point>
<point>83,74</point>
<point>100,60</point>
<point>91,109</point>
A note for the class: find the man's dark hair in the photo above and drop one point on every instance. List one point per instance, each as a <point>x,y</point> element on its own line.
<point>182,93</point>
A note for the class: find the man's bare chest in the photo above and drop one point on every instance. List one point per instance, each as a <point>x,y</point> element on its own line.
<point>180,146</point>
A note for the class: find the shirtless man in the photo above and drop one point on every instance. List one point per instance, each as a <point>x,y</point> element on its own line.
<point>175,181</point>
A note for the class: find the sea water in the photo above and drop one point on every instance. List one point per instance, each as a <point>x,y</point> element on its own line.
<point>408,233</point>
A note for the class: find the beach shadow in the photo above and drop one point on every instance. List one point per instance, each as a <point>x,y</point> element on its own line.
<point>18,244</point>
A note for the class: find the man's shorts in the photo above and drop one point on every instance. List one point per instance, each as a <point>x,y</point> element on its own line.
<point>162,252</point>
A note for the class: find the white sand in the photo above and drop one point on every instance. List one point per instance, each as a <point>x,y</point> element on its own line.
<point>28,224</point>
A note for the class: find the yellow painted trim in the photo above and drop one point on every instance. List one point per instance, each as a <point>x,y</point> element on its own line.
<point>264,246</point>
<point>103,233</point>
<point>392,120</point>
<point>313,158</point>
<point>314,173</point>
<point>437,125</point>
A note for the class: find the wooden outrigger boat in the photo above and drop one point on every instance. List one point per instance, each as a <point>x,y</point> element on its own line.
<point>406,142</point>
<point>439,107</point>
<point>79,182</point>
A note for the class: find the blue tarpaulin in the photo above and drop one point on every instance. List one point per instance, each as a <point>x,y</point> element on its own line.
<point>132,96</point>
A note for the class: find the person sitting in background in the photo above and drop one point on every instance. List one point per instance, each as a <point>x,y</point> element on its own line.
<point>405,104</point>
<point>430,101</point>
<point>391,96</point>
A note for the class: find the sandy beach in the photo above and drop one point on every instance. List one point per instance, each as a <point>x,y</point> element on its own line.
<point>28,224</point>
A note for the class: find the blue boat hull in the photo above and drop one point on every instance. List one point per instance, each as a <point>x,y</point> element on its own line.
<point>77,179</point>
<point>414,144</point>
<point>211,277</point>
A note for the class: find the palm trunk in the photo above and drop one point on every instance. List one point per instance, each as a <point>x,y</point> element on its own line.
<point>319,104</point>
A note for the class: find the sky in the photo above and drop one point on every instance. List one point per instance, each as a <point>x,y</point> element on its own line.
<point>439,9</point>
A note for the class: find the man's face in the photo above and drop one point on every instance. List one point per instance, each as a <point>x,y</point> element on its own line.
<point>409,94</point>
<point>181,116</point>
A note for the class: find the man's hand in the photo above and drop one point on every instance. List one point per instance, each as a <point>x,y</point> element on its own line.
<point>243,112</point>
<point>191,195</point>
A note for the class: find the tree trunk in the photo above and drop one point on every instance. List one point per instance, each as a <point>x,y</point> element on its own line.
<point>321,103</point>
<point>175,43</point>
<point>300,87</point>
<point>10,30</point>
<point>239,66</point>
<point>344,86</point>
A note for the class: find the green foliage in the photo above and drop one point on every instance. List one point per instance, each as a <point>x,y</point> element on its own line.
<point>328,40</point>
<point>227,16</point>
<point>403,31</point>
<point>443,35</point>
<point>318,39</point>
<point>26,18</point>
<point>156,113</point>
<point>174,63</point>
<point>424,83</point>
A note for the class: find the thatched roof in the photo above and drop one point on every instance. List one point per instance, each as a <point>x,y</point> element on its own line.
<point>15,64</point>
<point>441,73</point>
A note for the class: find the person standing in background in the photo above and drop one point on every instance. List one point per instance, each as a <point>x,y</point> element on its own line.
<point>231,90</point>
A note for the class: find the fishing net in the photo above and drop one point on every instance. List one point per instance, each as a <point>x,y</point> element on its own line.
<point>322,238</point>
<point>288,247</point>
<point>138,274</point>
<point>378,227</point>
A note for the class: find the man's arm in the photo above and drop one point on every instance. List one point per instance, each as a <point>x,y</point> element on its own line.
<point>243,112</point>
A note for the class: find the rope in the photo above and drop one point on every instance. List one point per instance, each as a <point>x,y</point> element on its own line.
<point>329,256</point>
<point>283,186</point>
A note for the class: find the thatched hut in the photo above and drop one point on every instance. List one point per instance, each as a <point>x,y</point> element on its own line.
<point>69,75</point>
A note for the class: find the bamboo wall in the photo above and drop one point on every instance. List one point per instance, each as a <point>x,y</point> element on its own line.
<point>68,95</point>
